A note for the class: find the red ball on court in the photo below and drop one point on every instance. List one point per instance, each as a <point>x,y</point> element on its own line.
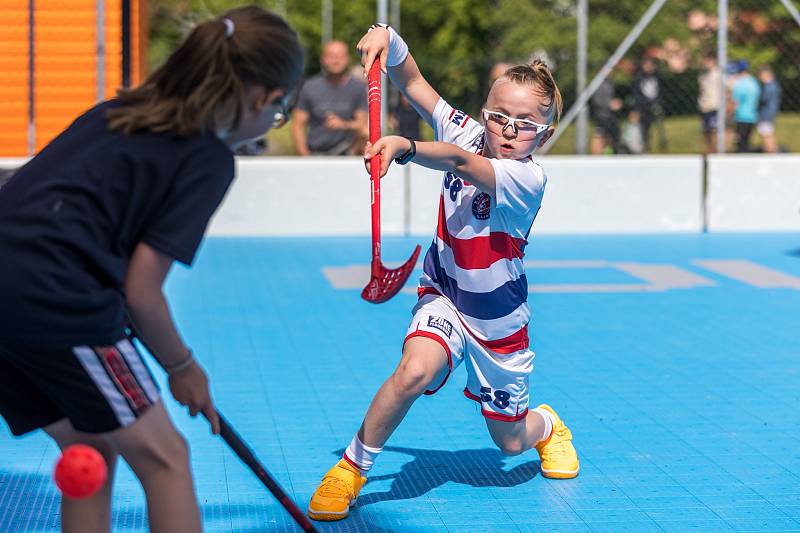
<point>80,471</point>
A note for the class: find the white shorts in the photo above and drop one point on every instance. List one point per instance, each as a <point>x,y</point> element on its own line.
<point>499,382</point>
<point>765,128</point>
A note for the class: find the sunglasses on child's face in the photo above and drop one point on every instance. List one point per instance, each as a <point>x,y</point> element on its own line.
<point>524,129</point>
<point>286,104</point>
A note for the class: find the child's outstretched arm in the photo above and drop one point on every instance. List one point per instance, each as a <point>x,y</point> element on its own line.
<point>447,157</point>
<point>402,69</point>
<point>150,314</point>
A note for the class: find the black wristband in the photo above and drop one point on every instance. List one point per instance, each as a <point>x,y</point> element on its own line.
<point>379,25</point>
<point>404,158</point>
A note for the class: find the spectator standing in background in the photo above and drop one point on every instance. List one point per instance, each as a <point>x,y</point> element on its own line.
<point>768,107</point>
<point>708,102</point>
<point>646,92</point>
<point>745,93</point>
<point>406,119</point>
<point>331,113</point>
<point>605,105</point>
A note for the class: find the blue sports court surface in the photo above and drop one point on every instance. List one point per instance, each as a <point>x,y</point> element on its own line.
<point>675,361</point>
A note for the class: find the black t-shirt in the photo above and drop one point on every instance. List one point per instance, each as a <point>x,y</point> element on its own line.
<point>71,218</point>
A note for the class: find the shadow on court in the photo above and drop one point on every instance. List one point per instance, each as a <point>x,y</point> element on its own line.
<point>30,502</point>
<point>433,468</point>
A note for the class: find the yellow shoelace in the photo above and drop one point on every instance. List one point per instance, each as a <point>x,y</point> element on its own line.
<point>333,486</point>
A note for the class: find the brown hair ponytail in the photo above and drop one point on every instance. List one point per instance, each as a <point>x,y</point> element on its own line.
<point>537,73</point>
<point>209,70</point>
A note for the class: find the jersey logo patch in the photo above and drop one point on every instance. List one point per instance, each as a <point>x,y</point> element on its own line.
<point>481,206</point>
<point>459,118</point>
<point>441,324</point>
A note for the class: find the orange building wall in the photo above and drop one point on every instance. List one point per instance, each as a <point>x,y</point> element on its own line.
<point>13,78</point>
<point>65,71</point>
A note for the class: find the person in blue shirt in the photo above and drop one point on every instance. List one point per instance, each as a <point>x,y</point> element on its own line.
<point>745,93</point>
<point>89,229</point>
<point>768,108</point>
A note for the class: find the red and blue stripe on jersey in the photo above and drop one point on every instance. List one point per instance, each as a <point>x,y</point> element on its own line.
<point>476,262</point>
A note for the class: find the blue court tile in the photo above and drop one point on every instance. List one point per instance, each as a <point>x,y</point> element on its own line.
<point>479,528</point>
<point>611,515</point>
<point>705,526</point>
<point>466,517</point>
<point>522,516</point>
<point>566,527</point>
<point>601,503</point>
<point>746,512</point>
<point>667,502</point>
<point>765,524</point>
<point>632,526</point>
<point>683,514</point>
<point>408,519</point>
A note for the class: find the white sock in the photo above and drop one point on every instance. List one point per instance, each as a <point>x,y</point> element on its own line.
<point>549,421</point>
<point>360,455</point>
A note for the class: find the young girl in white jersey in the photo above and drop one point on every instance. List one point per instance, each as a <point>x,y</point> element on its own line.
<point>473,293</point>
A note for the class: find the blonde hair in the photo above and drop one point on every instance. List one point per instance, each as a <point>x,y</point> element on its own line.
<point>246,45</point>
<point>538,74</point>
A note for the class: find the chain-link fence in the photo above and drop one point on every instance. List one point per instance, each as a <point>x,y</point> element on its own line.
<point>663,93</point>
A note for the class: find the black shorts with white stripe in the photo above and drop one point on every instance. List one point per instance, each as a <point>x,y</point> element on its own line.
<point>98,388</point>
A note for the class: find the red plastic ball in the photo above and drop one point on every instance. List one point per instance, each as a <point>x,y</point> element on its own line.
<point>80,471</point>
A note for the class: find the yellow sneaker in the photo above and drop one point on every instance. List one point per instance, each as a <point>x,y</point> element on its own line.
<point>336,493</point>
<point>557,454</point>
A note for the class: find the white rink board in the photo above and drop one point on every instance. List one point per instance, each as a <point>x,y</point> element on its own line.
<point>624,194</point>
<point>644,194</point>
<point>284,196</point>
<point>753,193</point>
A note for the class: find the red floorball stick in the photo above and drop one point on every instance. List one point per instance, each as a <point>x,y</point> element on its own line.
<point>384,282</point>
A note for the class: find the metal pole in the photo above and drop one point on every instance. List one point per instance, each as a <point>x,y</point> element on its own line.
<point>793,10</point>
<point>327,21</point>
<point>584,97</point>
<point>101,50</point>
<point>280,8</point>
<point>722,62</point>
<point>582,124</point>
<point>31,78</point>
<point>394,17</point>
<point>126,43</point>
<point>383,17</point>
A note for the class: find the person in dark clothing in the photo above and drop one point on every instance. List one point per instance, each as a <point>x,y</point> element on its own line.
<point>89,229</point>
<point>646,93</point>
<point>604,107</point>
<point>768,106</point>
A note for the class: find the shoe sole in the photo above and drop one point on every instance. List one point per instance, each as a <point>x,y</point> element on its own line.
<point>329,516</point>
<point>560,474</point>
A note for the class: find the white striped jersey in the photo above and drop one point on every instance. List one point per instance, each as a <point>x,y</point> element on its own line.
<point>476,256</point>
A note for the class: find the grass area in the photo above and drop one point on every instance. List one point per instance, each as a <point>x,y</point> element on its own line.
<point>682,134</point>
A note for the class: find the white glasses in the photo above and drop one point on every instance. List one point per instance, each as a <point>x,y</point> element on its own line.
<point>286,104</point>
<point>524,129</point>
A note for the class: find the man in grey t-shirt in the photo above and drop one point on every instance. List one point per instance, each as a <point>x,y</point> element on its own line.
<point>331,113</point>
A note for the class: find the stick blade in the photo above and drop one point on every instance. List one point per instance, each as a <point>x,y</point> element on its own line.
<point>388,282</point>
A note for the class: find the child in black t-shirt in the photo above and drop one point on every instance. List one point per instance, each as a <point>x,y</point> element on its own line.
<point>88,231</point>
